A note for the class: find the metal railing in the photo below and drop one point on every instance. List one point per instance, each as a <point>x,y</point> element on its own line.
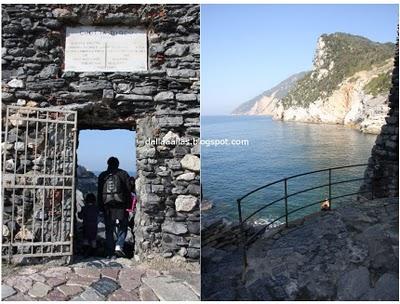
<point>248,239</point>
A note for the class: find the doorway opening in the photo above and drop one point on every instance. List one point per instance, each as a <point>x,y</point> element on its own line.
<point>94,148</point>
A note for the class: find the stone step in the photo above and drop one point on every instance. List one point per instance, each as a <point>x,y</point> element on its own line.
<point>169,288</point>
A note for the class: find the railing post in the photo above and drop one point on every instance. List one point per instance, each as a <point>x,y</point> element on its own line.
<point>244,241</point>
<point>330,188</point>
<point>286,204</point>
<point>372,188</point>
<point>239,212</point>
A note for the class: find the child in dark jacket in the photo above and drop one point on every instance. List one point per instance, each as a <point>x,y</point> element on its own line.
<point>90,214</point>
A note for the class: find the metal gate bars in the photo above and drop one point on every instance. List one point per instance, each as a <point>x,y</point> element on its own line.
<point>38,182</point>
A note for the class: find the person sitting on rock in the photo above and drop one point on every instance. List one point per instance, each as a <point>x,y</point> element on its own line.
<point>114,195</point>
<point>326,205</point>
<point>90,213</point>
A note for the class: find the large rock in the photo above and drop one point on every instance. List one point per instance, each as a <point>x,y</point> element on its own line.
<point>133,97</point>
<point>170,121</point>
<point>7,291</point>
<point>177,50</point>
<point>191,162</point>
<point>386,288</point>
<point>16,83</point>
<point>129,279</point>
<point>64,14</point>
<point>168,288</point>
<point>105,286</point>
<point>186,176</point>
<point>91,85</point>
<point>354,284</point>
<point>164,96</point>
<point>123,295</point>
<point>90,294</point>
<point>186,97</point>
<point>170,138</point>
<point>50,71</point>
<point>39,290</point>
<point>68,291</point>
<point>145,152</point>
<point>185,203</point>
<point>184,73</point>
<point>175,228</point>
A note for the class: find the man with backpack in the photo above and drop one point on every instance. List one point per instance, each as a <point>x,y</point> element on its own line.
<point>114,195</point>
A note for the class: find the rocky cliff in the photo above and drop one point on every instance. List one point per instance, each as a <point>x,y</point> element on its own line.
<point>349,85</point>
<point>266,102</point>
<point>87,180</point>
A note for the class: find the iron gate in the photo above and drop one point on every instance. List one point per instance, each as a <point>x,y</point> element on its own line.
<point>38,182</point>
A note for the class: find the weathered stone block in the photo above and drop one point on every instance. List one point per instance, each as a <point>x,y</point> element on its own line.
<point>174,228</point>
<point>39,290</point>
<point>69,290</point>
<point>191,162</point>
<point>7,291</point>
<point>16,83</point>
<point>133,97</point>
<point>108,95</point>
<point>186,176</point>
<point>105,286</point>
<point>91,85</point>
<point>185,203</point>
<point>184,73</point>
<point>145,152</point>
<point>164,96</point>
<point>354,284</point>
<point>170,121</point>
<point>186,97</point>
<point>177,50</point>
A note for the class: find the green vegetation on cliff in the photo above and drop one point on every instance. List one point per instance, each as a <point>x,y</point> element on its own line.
<point>339,56</point>
<point>380,84</point>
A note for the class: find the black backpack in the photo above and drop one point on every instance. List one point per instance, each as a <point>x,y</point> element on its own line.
<point>113,189</point>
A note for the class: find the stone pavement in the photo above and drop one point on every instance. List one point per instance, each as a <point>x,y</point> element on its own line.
<point>99,279</point>
<point>350,253</point>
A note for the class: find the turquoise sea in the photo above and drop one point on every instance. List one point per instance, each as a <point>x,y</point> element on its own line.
<point>276,150</point>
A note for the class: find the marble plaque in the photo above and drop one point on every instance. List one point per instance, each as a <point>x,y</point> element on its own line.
<point>105,49</point>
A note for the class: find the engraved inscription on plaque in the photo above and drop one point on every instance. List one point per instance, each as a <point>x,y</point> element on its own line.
<point>105,49</point>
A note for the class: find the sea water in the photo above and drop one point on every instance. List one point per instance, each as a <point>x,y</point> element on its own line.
<point>276,150</point>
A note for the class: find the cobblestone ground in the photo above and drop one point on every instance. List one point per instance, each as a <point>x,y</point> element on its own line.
<point>350,253</point>
<point>100,280</point>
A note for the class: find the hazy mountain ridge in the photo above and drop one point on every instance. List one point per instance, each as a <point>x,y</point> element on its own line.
<point>274,94</point>
<point>349,84</point>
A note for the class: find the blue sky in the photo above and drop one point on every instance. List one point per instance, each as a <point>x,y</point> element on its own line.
<point>247,49</point>
<point>95,147</point>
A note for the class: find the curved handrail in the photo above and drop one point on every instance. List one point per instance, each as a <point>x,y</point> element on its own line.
<point>286,196</point>
<point>299,192</point>
<point>298,175</point>
<point>245,240</point>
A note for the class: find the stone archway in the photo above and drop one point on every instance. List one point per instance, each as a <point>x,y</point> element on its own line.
<point>159,103</point>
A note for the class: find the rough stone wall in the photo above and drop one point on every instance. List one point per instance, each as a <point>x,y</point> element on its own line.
<point>162,102</point>
<point>382,174</point>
